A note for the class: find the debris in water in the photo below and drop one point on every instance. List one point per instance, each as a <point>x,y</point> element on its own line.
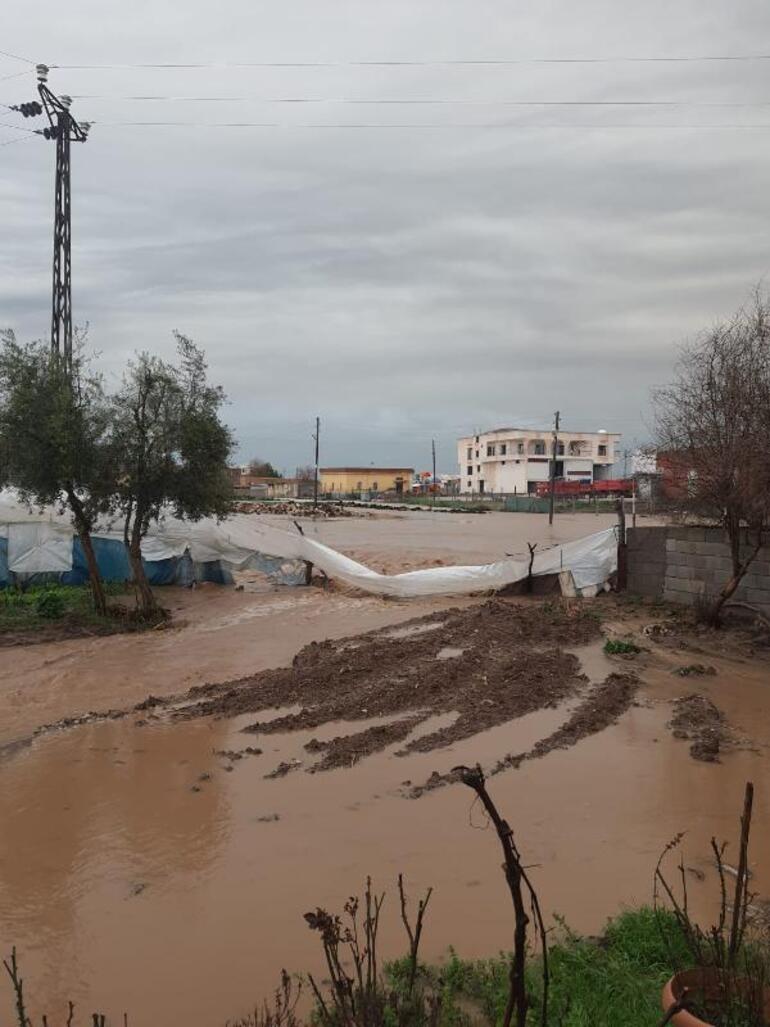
<point>694,669</point>
<point>699,721</point>
<point>284,768</point>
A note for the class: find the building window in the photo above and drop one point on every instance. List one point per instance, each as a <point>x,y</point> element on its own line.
<point>477,454</point>
<point>521,447</point>
<point>469,454</point>
<point>360,486</point>
<point>602,450</point>
<point>477,440</point>
<point>503,449</point>
<point>470,484</point>
<point>490,450</point>
<point>560,449</point>
<point>469,470</point>
<point>537,447</point>
<point>502,463</point>
<point>374,485</point>
<point>478,469</point>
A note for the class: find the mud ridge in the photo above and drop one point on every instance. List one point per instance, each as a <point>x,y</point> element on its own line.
<point>699,721</point>
<point>601,707</point>
<point>506,659</point>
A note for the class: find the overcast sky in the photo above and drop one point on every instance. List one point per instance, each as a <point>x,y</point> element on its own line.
<point>485,269</point>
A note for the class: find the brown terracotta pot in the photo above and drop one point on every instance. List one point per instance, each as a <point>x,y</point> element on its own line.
<point>707,982</point>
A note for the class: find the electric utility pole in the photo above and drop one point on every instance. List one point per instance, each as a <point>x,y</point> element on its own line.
<point>553,465</point>
<point>64,129</point>
<point>317,437</point>
<point>433,482</point>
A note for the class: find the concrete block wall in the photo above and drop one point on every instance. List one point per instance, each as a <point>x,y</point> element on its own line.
<point>682,563</point>
<point>646,549</point>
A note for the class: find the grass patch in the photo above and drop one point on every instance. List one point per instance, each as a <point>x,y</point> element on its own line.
<point>615,979</point>
<point>52,610</point>
<point>617,647</point>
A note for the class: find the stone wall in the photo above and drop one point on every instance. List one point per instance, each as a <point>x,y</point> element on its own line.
<point>682,563</point>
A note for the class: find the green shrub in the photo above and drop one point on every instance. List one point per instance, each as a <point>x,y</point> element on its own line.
<point>49,605</point>
<point>617,647</point>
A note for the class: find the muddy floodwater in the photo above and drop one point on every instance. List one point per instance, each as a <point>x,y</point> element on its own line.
<point>141,870</point>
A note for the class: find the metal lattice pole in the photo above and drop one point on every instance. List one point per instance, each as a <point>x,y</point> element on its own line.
<point>63,129</point>
<point>61,311</point>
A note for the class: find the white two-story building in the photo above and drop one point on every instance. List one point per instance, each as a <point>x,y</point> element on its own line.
<point>514,460</point>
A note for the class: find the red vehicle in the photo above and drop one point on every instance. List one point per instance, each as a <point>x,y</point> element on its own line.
<point>609,488</point>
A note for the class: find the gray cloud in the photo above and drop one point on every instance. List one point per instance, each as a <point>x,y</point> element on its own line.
<point>402,283</point>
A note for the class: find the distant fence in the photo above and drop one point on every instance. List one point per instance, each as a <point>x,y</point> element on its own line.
<point>683,564</point>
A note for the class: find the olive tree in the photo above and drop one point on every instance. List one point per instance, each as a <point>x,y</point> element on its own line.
<point>172,449</point>
<point>714,420</point>
<point>55,439</point>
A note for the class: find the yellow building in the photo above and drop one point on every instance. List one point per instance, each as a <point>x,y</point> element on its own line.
<point>348,480</point>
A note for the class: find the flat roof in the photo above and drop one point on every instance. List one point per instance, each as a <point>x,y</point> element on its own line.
<point>362,470</point>
<point>543,431</point>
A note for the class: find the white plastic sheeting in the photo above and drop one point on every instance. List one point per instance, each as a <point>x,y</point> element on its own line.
<point>32,546</point>
<point>41,541</point>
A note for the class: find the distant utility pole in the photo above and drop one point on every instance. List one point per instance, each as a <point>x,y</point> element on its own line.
<point>553,465</point>
<point>64,129</point>
<point>433,483</point>
<point>317,437</point>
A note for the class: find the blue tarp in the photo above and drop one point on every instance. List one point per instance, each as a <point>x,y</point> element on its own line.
<point>114,565</point>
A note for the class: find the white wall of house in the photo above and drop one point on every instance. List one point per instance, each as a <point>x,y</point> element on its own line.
<point>515,459</point>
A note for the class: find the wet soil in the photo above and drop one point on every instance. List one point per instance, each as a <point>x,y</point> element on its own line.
<point>601,707</point>
<point>109,860</point>
<point>488,664</point>
<point>697,719</point>
<point>346,750</point>
<point>62,630</point>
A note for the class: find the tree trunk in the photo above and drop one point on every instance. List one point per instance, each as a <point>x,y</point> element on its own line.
<point>739,572</point>
<point>147,601</point>
<point>94,576</point>
<point>83,529</point>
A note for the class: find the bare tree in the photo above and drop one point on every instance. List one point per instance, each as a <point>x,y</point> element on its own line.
<point>713,421</point>
<point>306,473</point>
<point>262,468</point>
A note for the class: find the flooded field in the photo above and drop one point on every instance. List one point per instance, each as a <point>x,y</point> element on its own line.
<point>143,869</point>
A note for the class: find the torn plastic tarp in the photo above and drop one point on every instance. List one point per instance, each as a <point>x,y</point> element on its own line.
<point>234,542</point>
<point>592,560</point>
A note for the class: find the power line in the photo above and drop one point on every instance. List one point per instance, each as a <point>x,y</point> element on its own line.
<point>17,128</point>
<point>16,74</point>
<point>461,62</point>
<point>423,102</point>
<point>18,139</point>
<point>522,125</point>
<point>16,57</point>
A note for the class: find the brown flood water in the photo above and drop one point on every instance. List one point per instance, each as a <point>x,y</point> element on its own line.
<point>124,889</point>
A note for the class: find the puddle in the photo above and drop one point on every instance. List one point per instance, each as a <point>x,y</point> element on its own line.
<point>414,629</point>
<point>449,652</point>
<point>111,866</point>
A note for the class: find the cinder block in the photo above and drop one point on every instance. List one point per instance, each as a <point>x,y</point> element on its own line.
<point>708,549</point>
<point>683,598</point>
<point>758,596</point>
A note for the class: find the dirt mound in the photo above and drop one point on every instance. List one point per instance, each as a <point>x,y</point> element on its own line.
<point>345,750</point>
<point>293,509</point>
<point>488,663</point>
<point>601,707</point>
<point>698,720</point>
